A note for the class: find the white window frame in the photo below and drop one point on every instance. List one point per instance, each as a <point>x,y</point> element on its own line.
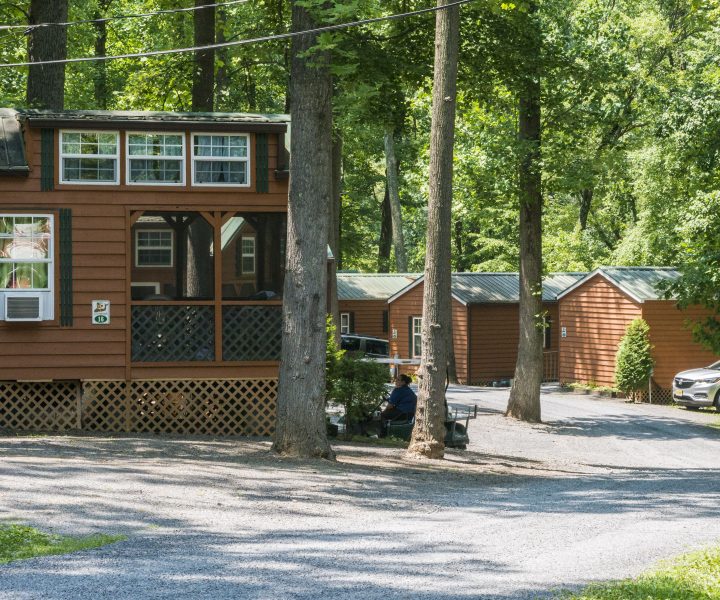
<point>129,157</point>
<point>48,293</point>
<point>172,248</point>
<point>243,255</point>
<point>416,333</point>
<point>344,323</point>
<point>195,159</point>
<point>63,156</point>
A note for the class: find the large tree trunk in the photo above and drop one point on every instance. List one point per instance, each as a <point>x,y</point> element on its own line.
<point>385,243</point>
<point>301,429</point>
<point>393,186</point>
<point>222,77</point>
<point>428,438</point>
<point>46,83</point>
<point>524,400</point>
<point>203,82</point>
<point>100,82</point>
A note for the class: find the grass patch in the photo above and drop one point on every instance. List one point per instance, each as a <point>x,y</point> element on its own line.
<point>693,576</point>
<point>18,542</point>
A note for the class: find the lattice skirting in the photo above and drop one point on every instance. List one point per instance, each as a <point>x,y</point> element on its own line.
<point>206,407</point>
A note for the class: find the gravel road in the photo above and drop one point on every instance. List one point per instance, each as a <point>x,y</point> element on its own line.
<point>601,490</point>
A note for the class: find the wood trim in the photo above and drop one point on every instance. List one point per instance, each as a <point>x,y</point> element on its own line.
<point>217,244</point>
<point>131,217</point>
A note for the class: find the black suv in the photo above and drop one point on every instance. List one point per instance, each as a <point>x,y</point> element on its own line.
<point>369,346</point>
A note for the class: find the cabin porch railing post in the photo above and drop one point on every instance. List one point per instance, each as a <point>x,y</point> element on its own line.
<point>127,407</point>
<point>79,397</point>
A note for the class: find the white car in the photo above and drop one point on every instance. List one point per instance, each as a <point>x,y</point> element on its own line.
<point>698,387</point>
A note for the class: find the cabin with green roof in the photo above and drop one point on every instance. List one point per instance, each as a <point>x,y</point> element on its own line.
<point>595,312</point>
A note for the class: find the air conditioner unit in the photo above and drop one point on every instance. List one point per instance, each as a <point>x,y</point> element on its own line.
<point>23,307</point>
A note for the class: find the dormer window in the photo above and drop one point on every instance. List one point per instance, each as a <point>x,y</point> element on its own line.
<point>221,160</point>
<point>89,157</point>
<point>155,159</point>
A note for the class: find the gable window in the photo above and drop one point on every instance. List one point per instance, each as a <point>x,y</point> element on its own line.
<point>155,159</point>
<point>247,260</point>
<point>153,248</point>
<point>89,157</point>
<point>221,159</point>
<point>344,323</point>
<point>27,260</point>
<point>417,337</point>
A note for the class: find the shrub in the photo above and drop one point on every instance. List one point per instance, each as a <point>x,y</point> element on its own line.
<point>634,362</point>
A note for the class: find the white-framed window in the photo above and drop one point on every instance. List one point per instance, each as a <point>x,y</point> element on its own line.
<point>221,160</point>
<point>247,258</point>
<point>154,248</point>
<point>155,158</point>
<point>90,157</point>
<point>417,337</point>
<point>344,323</point>
<point>27,261</point>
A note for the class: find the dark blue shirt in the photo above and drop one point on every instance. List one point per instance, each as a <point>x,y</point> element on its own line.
<point>404,399</point>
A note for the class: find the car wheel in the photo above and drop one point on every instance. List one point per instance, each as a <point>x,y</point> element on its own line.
<point>717,402</point>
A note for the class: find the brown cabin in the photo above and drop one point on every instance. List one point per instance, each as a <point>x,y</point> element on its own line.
<point>595,312</point>
<point>363,301</point>
<point>485,320</point>
<point>141,270</point>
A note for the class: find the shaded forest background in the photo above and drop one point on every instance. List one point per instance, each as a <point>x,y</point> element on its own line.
<point>630,128</point>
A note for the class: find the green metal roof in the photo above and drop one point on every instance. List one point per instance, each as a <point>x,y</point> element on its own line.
<point>640,283</point>
<point>487,288</point>
<point>372,286</point>
<point>12,148</point>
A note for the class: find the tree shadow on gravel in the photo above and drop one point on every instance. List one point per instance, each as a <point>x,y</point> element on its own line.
<point>633,427</point>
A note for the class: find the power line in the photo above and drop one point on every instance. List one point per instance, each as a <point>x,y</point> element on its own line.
<point>119,17</point>
<point>267,38</point>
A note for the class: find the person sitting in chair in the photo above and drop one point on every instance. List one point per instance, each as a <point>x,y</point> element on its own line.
<point>402,401</point>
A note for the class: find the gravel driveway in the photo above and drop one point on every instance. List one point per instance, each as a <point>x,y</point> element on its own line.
<point>602,490</point>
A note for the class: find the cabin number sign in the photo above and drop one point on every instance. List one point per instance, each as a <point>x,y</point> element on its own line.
<point>100,312</point>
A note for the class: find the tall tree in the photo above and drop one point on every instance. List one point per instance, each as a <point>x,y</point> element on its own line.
<point>46,83</point>
<point>301,429</point>
<point>428,438</point>
<point>524,402</point>
<point>393,186</point>
<point>203,82</point>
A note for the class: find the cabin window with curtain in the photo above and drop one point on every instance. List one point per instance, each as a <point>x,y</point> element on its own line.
<point>155,159</point>
<point>344,323</point>
<point>417,337</point>
<point>89,157</point>
<point>26,252</point>
<point>221,159</point>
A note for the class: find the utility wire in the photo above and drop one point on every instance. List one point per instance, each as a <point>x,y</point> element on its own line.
<point>118,17</point>
<point>267,38</point>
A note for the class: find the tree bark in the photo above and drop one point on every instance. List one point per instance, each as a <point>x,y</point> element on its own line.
<point>222,78</point>
<point>46,83</point>
<point>524,402</point>
<point>203,83</point>
<point>385,243</point>
<point>428,438</point>
<point>100,82</point>
<point>393,186</point>
<point>301,429</point>
<point>586,198</point>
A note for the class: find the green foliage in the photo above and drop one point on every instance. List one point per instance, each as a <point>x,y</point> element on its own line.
<point>694,576</point>
<point>699,262</point>
<point>357,384</point>
<point>634,362</point>
<point>19,541</point>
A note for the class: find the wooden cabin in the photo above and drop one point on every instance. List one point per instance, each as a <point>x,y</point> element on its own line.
<point>595,312</point>
<point>363,301</point>
<point>485,319</point>
<point>141,270</point>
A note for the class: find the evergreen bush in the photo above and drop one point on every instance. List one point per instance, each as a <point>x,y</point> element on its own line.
<point>634,361</point>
